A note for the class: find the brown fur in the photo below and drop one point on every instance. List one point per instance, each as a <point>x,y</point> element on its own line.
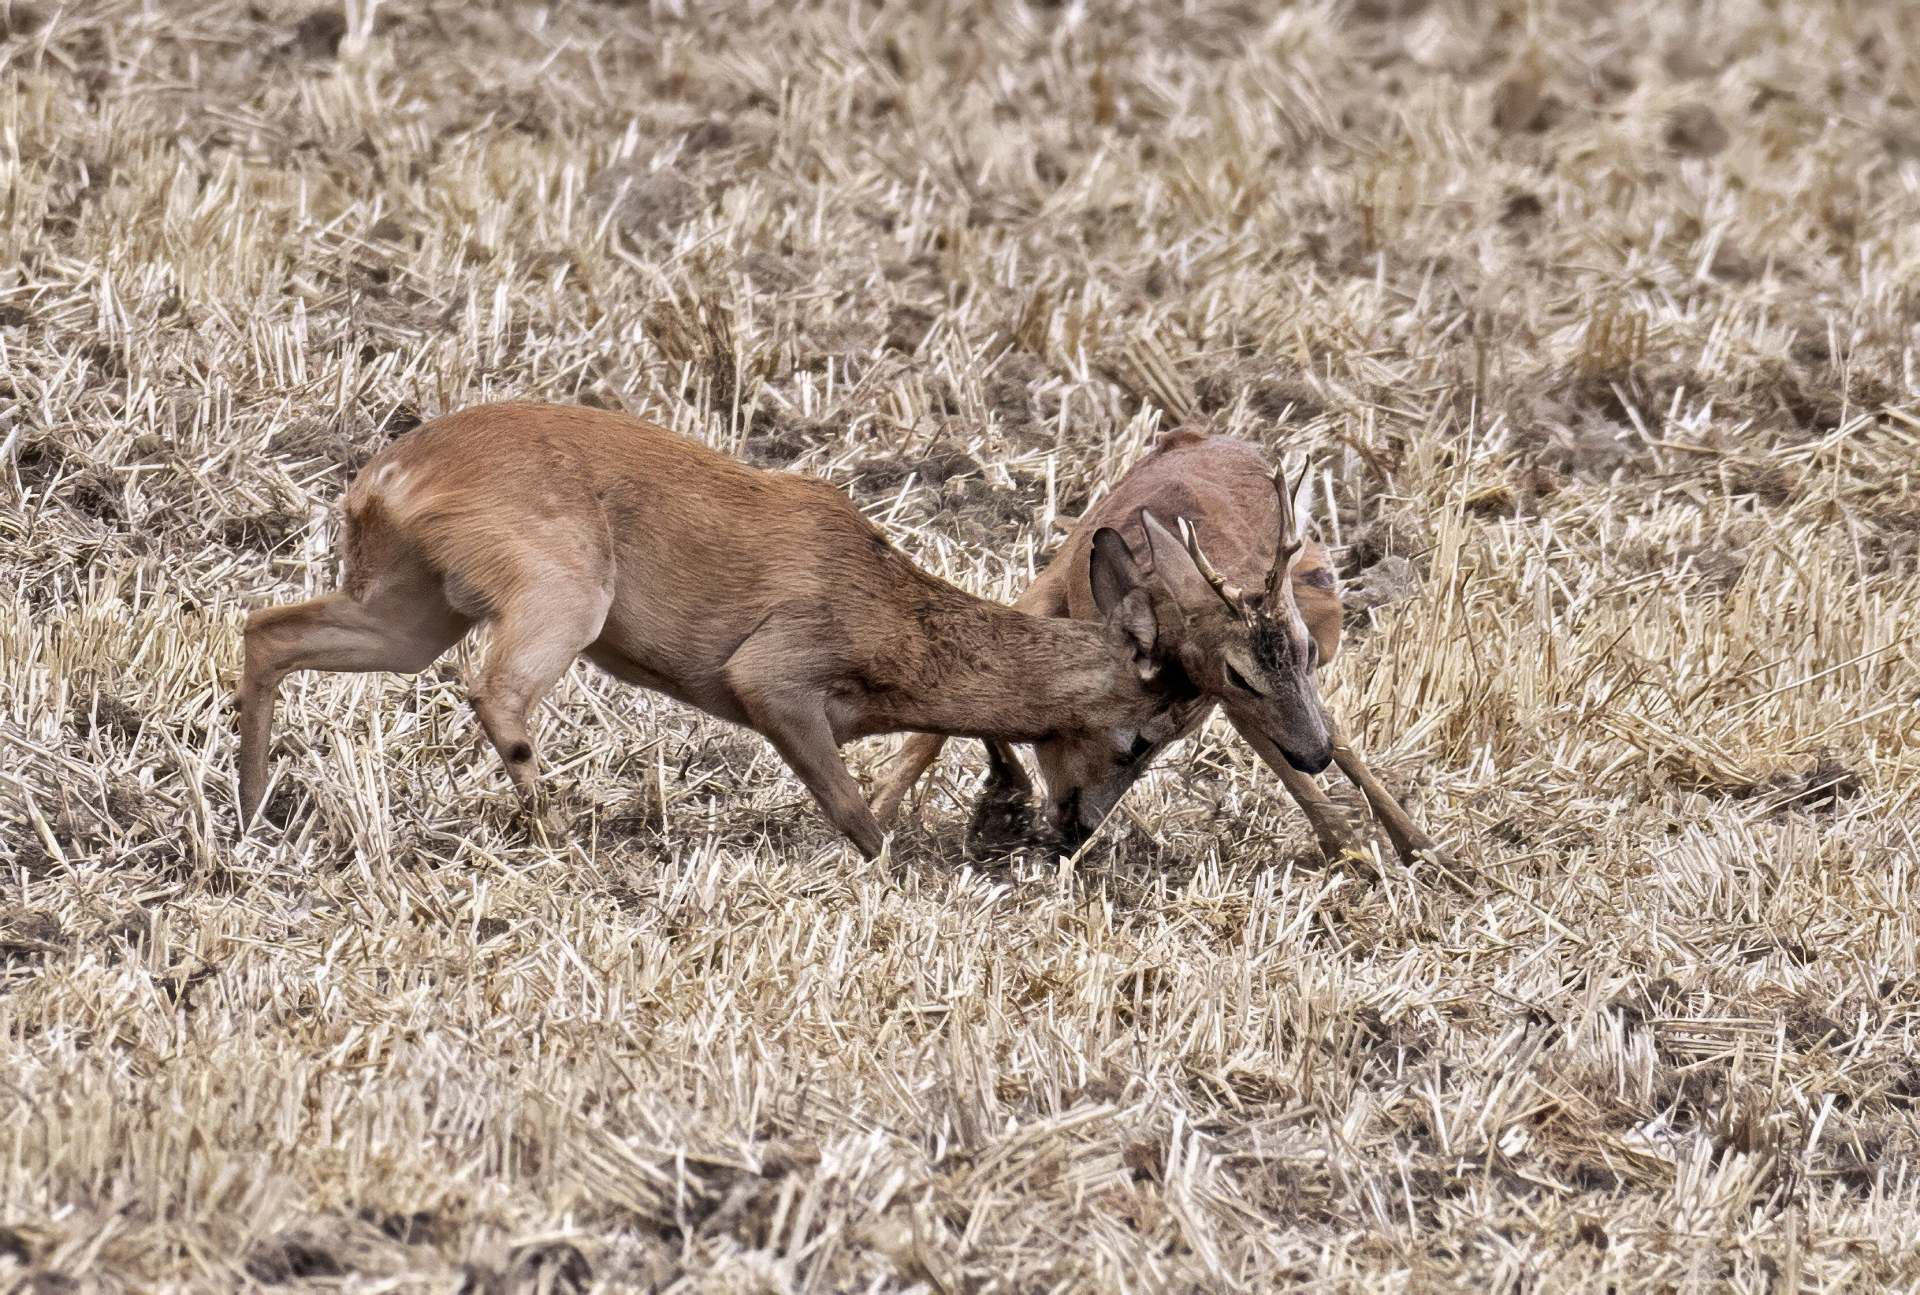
<point>763,598</point>
<point>1225,487</point>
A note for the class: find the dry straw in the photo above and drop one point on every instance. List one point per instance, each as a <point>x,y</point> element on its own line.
<point>1600,321</point>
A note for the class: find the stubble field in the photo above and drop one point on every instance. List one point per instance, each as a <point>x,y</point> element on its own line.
<point>1598,323</point>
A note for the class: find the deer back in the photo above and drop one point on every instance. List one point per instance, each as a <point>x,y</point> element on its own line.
<point>692,553</point>
<point>517,504</point>
<point>1224,486</point>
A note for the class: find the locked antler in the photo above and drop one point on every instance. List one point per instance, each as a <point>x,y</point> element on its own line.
<point>1231,595</point>
<point>1290,538</point>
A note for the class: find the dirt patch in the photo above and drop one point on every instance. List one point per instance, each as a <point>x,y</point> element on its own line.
<point>108,715</point>
<point>643,203</point>
<point>30,934</point>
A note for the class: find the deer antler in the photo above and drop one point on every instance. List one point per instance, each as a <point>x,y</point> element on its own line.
<point>1232,596</point>
<point>1290,539</point>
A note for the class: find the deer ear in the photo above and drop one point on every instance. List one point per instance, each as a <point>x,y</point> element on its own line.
<point>1111,570</point>
<point>1135,615</point>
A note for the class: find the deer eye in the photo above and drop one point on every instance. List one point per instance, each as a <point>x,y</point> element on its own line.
<point>1236,680</point>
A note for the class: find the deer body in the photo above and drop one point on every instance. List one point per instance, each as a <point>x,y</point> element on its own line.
<point>764,598</point>
<point>1225,489</point>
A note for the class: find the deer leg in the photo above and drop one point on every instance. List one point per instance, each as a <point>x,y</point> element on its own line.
<point>1407,837</point>
<point>1003,815</point>
<point>1005,772</point>
<point>1330,828</point>
<point>529,652</point>
<point>798,728</point>
<point>902,772</point>
<point>403,629</point>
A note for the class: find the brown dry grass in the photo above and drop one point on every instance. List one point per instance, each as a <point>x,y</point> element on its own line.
<point>1599,317</point>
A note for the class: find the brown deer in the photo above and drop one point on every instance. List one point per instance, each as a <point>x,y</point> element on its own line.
<point>764,598</point>
<point>1275,617</point>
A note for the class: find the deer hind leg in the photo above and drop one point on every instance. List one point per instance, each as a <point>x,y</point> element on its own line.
<point>403,628</point>
<point>902,772</point>
<point>531,648</point>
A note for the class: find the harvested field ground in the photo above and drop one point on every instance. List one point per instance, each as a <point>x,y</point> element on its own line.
<point>1598,319</point>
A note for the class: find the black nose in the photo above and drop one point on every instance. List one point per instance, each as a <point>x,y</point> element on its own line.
<point>1314,765</point>
<point>1068,833</point>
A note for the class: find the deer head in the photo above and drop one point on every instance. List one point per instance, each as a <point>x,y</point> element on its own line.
<point>1086,771</point>
<point>1248,650</point>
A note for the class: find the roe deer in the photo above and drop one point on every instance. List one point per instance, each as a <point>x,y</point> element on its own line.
<point>1252,653</point>
<point>764,598</point>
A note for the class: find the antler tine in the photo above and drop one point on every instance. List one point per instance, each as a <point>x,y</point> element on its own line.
<point>1289,540</point>
<point>1299,484</point>
<point>1229,594</point>
<point>1281,494</point>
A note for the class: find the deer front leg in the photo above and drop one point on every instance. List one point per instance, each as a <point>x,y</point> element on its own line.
<point>796,724</point>
<point>902,772</point>
<point>1003,815</point>
<point>1330,828</point>
<point>1408,839</point>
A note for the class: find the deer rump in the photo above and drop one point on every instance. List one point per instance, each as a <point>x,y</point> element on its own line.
<point>1224,490</point>
<point>763,598</point>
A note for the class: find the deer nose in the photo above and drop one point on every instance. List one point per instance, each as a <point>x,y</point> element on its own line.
<point>1310,764</point>
<point>1069,833</point>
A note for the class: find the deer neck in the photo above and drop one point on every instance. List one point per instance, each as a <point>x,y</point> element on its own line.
<point>1000,673</point>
